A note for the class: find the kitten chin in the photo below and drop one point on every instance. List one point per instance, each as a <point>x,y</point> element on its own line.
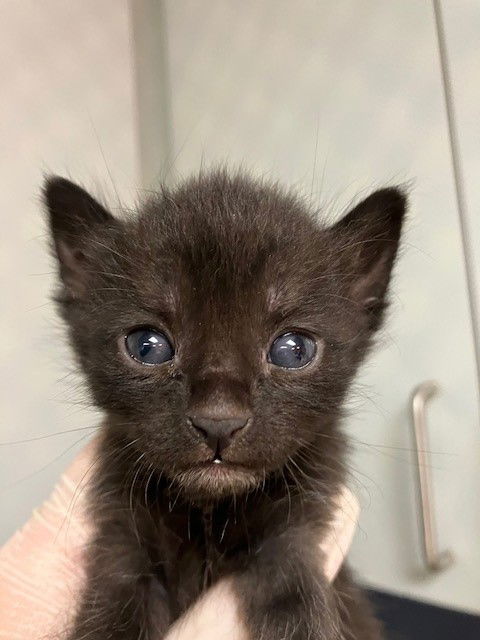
<point>217,480</point>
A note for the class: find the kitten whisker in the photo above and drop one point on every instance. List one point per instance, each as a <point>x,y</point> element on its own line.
<point>47,435</point>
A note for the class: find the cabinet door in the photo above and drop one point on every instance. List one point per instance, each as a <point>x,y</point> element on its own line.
<point>337,99</point>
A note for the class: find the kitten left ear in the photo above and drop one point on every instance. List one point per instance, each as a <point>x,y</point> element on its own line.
<point>369,237</point>
<point>74,216</point>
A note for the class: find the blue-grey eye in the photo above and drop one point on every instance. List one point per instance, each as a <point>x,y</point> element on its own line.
<point>149,346</point>
<point>292,350</point>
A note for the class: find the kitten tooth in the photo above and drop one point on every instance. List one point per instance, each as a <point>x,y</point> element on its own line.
<point>217,461</point>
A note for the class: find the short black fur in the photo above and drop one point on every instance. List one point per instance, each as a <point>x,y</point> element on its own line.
<point>222,265</point>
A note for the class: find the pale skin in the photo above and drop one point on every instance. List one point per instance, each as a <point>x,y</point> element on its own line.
<point>41,568</point>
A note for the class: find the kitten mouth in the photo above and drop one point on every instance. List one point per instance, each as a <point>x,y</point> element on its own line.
<point>216,478</point>
<point>218,461</point>
<point>217,458</point>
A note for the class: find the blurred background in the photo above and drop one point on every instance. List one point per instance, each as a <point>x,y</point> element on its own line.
<point>334,98</point>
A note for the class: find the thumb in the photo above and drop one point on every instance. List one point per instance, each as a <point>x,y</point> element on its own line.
<point>41,566</point>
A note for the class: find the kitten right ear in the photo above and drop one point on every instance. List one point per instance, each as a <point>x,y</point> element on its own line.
<point>74,216</point>
<point>370,236</point>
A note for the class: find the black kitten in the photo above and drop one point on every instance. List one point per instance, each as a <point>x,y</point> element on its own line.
<point>219,331</point>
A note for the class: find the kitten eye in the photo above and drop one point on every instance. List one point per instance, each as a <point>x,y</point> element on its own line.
<point>148,346</point>
<point>292,351</point>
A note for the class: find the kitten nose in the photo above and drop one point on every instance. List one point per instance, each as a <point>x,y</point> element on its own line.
<point>218,433</point>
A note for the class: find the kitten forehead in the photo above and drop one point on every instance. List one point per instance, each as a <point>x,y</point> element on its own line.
<point>225,251</point>
<point>223,233</point>
<point>234,215</point>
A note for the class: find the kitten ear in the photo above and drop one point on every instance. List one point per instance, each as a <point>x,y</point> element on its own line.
<point>74,217</point>
<point>369,237</point>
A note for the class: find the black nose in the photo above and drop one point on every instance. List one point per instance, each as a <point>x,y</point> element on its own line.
<point>218,433</point>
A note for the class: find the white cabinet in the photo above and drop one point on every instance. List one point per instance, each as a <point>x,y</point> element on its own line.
<point>339,98</point>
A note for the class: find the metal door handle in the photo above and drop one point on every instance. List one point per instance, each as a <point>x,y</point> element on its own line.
<point>434,559</point>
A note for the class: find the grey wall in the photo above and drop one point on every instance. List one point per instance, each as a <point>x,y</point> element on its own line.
<point>67,106</point>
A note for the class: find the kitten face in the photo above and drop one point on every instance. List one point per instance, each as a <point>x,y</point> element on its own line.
<point>212,275</point>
